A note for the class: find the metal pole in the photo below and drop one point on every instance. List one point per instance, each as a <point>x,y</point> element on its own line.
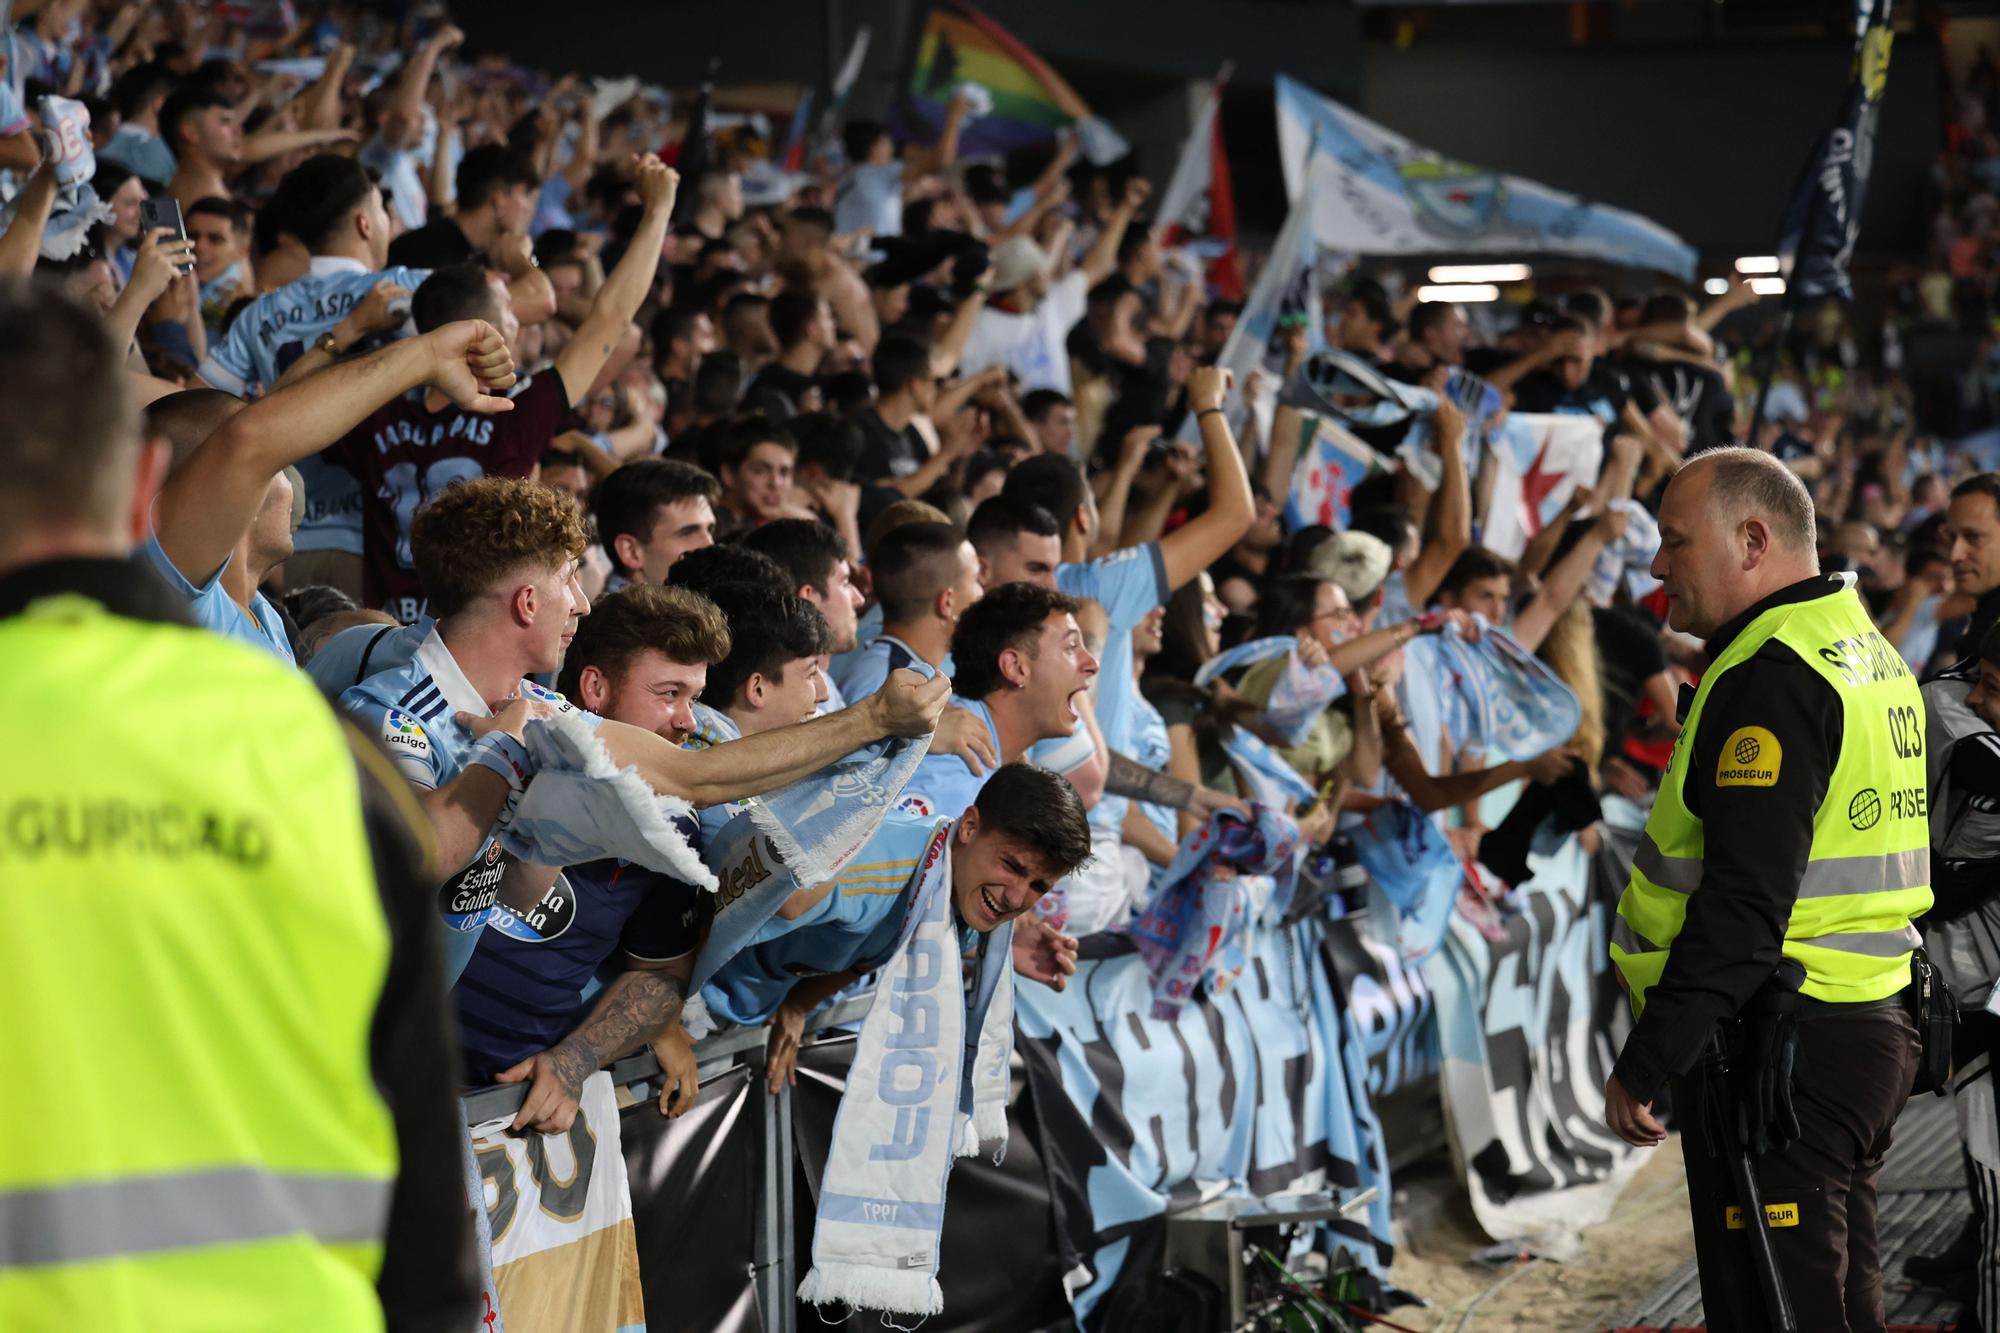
<point>771,1243</point>
<point>1771,368</point>
<point>1721,1097</point>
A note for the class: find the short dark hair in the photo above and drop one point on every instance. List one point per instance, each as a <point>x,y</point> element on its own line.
<point>1002,518</point>
<point>317,197</point>
<point>460,291</point>
<point>1038,403</point>
<point>69,425</point>
<point>1980,483</point>
<point>1039,808</point>
<point>1374,303</point>
<point>911,565</point>
<point>708,569</point>
<point>1473,564</point>
<point>672,324</point>
<point>626,502</point>
<point>859,136</point>
<point>807,548</point>
<point>745,433</point>
<point>141,84</point>
<point>1428,315</point>
<point>769,632</point>
<point>792,314</point>
<point>685,626</point>
<point>1285,604</point>
<point>1051,481</point>
<point>1591,304</point>
<point>488,169</point>
<point>1571,323</point>
<point>718,383</point>
<point>189,99</point>
<point>817,218</point>
<point>1010,616</point>
<point>900,361</point>
<point>214,205</point>
<point>1666,306</point>
<point>831,443</point>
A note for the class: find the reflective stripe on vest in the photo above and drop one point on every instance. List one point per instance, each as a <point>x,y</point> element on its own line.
<point>1868,869</point>
<point>68,1224</point>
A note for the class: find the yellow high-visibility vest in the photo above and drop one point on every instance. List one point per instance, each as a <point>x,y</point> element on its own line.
<point>191,1136</point>
<point>1868,872</point>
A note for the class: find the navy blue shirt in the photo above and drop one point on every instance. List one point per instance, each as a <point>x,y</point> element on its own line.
<point>528,983</point>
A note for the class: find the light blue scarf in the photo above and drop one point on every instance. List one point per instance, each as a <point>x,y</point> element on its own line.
<point>797,837</point>
<point>928,1084</point>
<point>1504,699</point>
<point>1299,697</point>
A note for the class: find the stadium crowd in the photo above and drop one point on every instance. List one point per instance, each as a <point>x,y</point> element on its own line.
<point>493,398</point>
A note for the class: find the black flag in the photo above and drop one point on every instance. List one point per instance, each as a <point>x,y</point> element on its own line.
<point>693,159</point>
<point>1824,218</point>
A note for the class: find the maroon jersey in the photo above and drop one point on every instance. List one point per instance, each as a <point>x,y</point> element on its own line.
<point>404,455</point>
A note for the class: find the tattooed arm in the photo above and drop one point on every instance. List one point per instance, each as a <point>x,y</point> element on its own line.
<point>637,1007</point>
<point>1128,777</point>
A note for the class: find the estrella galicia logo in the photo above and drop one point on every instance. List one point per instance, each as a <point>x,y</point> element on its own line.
<point>550,917</point>
<point>467,899</point>
<point>1865,810</point>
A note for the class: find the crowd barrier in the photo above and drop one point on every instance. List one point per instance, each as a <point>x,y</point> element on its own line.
<point>1119,1122</point>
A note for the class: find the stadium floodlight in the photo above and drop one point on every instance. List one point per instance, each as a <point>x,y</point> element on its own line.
<point>1757,264</point>
<point>1481,273</point>
<point>1465,292</point>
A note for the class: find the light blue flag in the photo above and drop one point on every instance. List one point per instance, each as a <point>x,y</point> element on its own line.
<point>1379,194</point>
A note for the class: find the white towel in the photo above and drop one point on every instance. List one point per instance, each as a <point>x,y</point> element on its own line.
<point>580,806</point>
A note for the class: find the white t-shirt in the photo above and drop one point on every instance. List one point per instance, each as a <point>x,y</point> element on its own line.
<point>1033,345</point>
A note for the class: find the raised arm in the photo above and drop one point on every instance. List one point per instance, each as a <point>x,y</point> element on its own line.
<point>1102,257</point>
<point>267,144</point>
<point>618,300</point>
<point>403,122</point>
<point>1568,343</point>
<point>923,161</point>
<point>1450,518</point>
<point>1231,506</point>
<point>319,105</point>
<point>1565,581</point>
<point>210,499</point>
<point>906,705</point>
<point>21,245</point>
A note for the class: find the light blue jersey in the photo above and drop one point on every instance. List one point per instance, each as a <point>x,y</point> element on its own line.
<point>853,928</point>
<point>361,651</point>
<point>1128,584</point>
<point>275,330</point>
<point>944,786</point>
<point>413,711</point>
<point>215,610</point>
<point>866,630</point>
<point>867,668</point>
<point>141,152</point>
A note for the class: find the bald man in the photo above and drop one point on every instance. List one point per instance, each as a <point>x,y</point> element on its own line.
<point>1771,898</point>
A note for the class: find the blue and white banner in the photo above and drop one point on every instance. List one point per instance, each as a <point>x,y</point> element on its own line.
<point>1379,194</point>
<point>1538,462</point>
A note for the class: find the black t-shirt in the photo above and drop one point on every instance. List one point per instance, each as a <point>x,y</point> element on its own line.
<point>1698,395</point>
<point>887,453</point>
<point>777,391</point>
<point>1630,649</point>
<point>1603,394</point>
<point>437,244</point>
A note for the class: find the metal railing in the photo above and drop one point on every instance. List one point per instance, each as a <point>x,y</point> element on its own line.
<point>772,1259</point>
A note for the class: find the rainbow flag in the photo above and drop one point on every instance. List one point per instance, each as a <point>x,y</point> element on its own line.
<point>1031,102</point>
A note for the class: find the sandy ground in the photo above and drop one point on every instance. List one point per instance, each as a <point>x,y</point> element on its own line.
<point>1649,1235</point>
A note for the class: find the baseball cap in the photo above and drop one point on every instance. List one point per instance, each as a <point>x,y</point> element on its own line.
<point>1016,261</point>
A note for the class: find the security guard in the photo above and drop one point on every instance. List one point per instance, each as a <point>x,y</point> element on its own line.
<point>228,1100</point>
<point>1790,825</point>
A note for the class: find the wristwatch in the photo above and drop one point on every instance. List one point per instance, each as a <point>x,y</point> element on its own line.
<point>328,343</point>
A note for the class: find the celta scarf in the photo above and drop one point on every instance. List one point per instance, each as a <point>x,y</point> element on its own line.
<point>1195,921</point>
<point>928,1084</point>
<point>797,837</point>
<point>1412,863</point>
<point>1504,699</point>
<point>1270,779</point>
<point>581,806</point>
<point>1301,693</point>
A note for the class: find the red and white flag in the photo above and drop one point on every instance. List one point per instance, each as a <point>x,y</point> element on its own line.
<point>1198,208</point>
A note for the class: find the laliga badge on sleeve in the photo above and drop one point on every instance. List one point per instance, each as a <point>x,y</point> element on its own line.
<point>1750,757</point>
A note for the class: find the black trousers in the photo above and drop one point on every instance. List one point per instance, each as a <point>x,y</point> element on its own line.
<point>1854,1073</point>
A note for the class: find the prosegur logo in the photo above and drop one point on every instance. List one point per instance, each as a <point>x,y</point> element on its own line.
<point>1750,758</point>
<point>1865,810</point>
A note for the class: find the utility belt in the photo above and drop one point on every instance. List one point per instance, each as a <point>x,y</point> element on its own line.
<point>1762,1045</point>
